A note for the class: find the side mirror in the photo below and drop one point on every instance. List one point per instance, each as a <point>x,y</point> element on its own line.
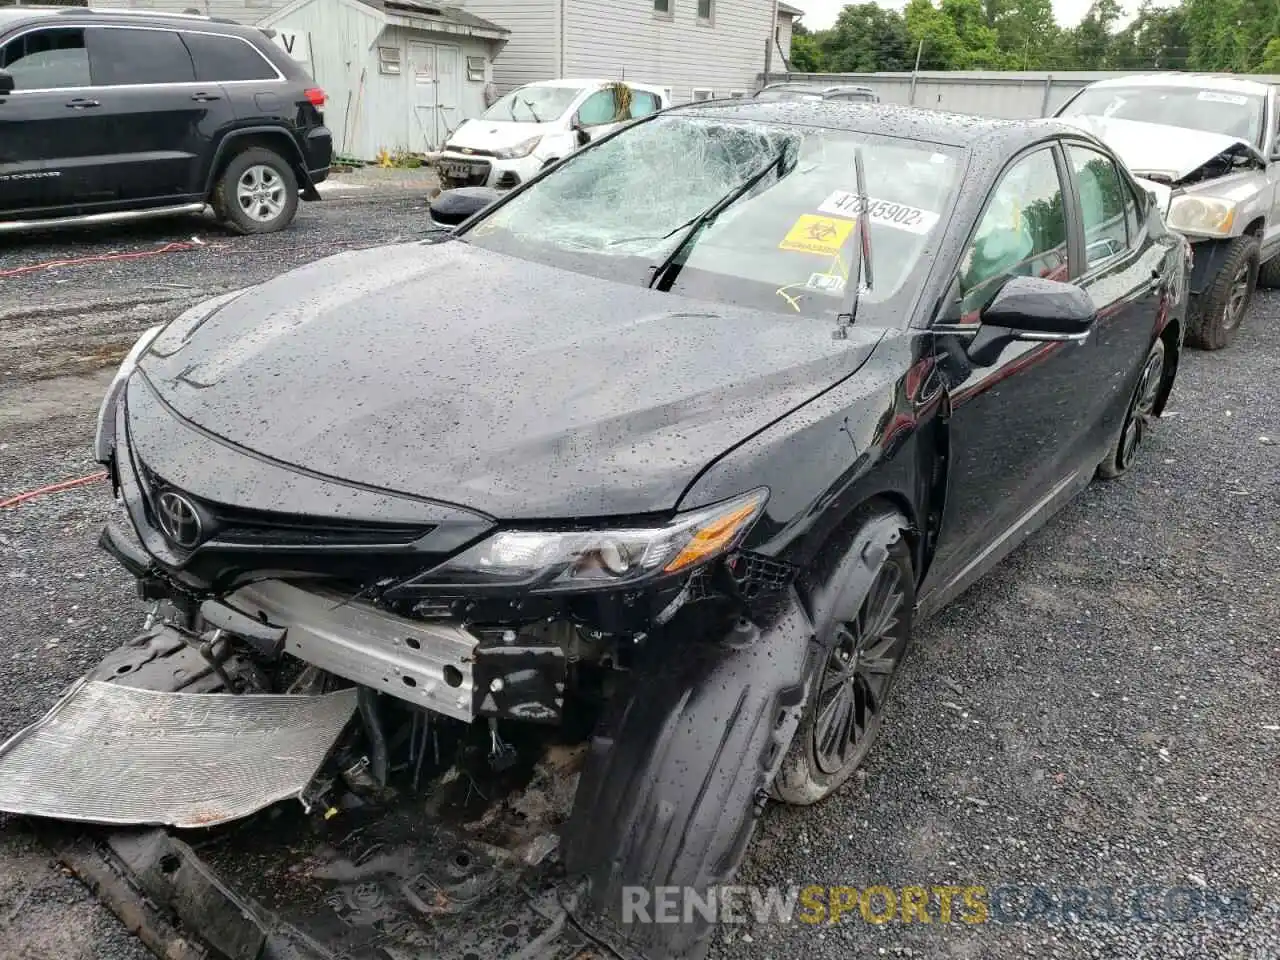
<point>6,82</point>
<point>580,135</point>
<point>452,207</point>
<point>1040,309</point>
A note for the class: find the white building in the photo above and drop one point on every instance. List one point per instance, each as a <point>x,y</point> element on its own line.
<point>400,75</point>
<point>695,49</point>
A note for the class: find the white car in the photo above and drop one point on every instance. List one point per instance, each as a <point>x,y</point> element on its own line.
<point>538,124</point>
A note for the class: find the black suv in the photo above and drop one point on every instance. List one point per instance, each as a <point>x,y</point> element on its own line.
<point>117,115</point>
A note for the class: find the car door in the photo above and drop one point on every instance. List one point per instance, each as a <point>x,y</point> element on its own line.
<point>1020,413</point>
<point>52,149</point>
<point>1121,271</point>
<point>160,117</point>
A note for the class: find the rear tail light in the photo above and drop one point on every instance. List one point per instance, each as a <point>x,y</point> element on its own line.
<point>315,96</point>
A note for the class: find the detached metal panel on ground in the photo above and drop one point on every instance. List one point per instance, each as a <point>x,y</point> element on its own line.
<point>988,93</point>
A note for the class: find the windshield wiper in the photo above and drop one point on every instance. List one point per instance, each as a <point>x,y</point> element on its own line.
<point>511,109</point>
<point>536,118</point>
<point>669,268</point>
<point>860,260</point>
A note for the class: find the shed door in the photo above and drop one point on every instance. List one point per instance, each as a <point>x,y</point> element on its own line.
<point>422,63</point>
<point>448,92</point>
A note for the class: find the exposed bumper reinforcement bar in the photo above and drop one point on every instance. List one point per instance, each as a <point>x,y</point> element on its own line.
<point>427,664</point>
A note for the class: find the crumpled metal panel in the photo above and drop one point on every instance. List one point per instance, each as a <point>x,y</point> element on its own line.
<point>115,754</point>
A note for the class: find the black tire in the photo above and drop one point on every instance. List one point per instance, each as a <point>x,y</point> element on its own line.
<point>1216,314</point>
<point>1269,274</point>
<point>1139,415</point>
<point>277,188</point>
<point>864,607</point>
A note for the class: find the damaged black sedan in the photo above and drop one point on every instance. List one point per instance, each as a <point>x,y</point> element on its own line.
<point>628,490</point>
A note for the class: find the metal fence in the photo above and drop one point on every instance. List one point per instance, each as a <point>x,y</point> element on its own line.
<point>1013,94</point>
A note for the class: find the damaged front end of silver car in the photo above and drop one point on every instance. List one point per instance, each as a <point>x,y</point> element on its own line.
<point>471,761</point>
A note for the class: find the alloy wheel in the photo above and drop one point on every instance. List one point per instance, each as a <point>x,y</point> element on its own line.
<point>1144,402</point>
<point>260,191</point>
<point>1241,292</point>
<point>856,678</point>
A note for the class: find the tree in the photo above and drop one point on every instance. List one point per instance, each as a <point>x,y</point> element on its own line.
<point>806,54</point>
<point>866,38</point>
<point>1270,57</point>
<point>1091,40</point>
<point>1026,32</point>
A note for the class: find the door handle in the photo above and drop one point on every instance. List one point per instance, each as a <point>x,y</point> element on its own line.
<point>205,97</point>
<point>81,104</point>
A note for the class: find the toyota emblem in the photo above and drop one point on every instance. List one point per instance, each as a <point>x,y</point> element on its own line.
<point>179,520</point>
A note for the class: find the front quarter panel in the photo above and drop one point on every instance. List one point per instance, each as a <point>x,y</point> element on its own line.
<point>872,435</point>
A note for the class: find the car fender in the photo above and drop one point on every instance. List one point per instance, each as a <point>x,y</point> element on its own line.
<point>278,136</point>
<point>678,770</point>
<point>874,435</point>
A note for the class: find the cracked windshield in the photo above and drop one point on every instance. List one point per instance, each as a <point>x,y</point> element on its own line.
<point>785,244</point>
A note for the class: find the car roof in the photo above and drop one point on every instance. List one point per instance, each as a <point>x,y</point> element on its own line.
<point>578,82</point>
<point>1224,83</point>
<point>37,13</point>
<point>963,130</point>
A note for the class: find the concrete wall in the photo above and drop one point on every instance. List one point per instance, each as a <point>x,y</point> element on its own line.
<point>1011,94</point>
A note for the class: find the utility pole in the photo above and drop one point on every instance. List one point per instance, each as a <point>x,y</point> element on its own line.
<point>911,99</point>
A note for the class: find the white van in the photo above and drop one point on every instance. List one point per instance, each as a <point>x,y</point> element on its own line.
<point>536,124</point>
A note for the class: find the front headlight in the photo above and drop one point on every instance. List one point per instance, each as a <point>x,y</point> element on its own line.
<point>1203,215</point>
<point>587,559</point>
<point>104,440</point>
<point>519,150</point>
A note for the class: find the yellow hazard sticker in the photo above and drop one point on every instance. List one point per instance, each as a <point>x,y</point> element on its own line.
<point>814,234</point>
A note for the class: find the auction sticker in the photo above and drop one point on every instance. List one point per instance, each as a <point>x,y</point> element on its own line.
<point>1213,96</point>
<point>900,216</point>
<point>826,282</point>
<point>814,234</point>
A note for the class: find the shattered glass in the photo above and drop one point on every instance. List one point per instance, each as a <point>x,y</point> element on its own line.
<point>620,208</point>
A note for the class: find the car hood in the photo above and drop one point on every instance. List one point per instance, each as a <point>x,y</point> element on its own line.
<point>1153,148</point>
<point>495,134</point>
<point>456,374</point>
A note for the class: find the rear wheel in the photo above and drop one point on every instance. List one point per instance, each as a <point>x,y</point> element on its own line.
<point>1139,416</point>
<point>257,192</point>
<point>864,642</point>
<point>1217,313</point>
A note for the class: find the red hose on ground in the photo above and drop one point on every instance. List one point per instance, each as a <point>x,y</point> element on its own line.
<point>173,247</point>
<point>52,488</point>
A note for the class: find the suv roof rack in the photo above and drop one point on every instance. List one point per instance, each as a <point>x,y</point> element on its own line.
<point>132,12</point>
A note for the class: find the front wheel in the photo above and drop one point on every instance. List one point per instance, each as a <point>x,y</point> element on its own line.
<point>257,192</point>
<point>1139,415</point>
<point>1217,313</point>
<point>864,642</point>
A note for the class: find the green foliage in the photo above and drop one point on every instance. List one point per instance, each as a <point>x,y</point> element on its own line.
<point>1240,36</point>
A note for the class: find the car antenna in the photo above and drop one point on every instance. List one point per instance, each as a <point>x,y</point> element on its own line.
<point>860,268</point>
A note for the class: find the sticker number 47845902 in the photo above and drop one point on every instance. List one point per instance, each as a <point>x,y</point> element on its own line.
<point>900,216</point>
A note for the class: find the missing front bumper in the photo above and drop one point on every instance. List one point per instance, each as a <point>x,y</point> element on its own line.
<point>428,664</point>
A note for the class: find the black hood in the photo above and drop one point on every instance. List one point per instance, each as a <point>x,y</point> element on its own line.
<point>523,391</point>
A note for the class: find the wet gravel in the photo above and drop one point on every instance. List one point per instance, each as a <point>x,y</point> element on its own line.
<point>1102,710</point>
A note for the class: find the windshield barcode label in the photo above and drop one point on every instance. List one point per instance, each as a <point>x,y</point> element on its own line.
<point>900,216</point>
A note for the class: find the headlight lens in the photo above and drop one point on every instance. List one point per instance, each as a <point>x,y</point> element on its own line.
<point>104,440</point>
<point>519,150</point>
<point>582,559</point>
<point>1207,215</point>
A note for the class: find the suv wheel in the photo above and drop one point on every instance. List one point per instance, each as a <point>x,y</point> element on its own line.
<point>257,192</point>
<point>1217,313</point>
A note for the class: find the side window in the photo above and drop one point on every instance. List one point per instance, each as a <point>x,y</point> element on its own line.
<point>129,56</point>
<point>226,59</point>
<point>597,109</point>
<point>47,60</point>
<point>1022,233</point>
<point>642,104</point>
<point>1102,204</point>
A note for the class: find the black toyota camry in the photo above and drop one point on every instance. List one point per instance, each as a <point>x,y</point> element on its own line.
<point>662,452</point>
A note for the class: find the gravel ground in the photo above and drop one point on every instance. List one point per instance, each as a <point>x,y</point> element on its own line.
<point>1101,711</point>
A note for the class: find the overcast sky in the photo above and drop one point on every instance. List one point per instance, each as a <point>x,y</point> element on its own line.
<point>819,14</point>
